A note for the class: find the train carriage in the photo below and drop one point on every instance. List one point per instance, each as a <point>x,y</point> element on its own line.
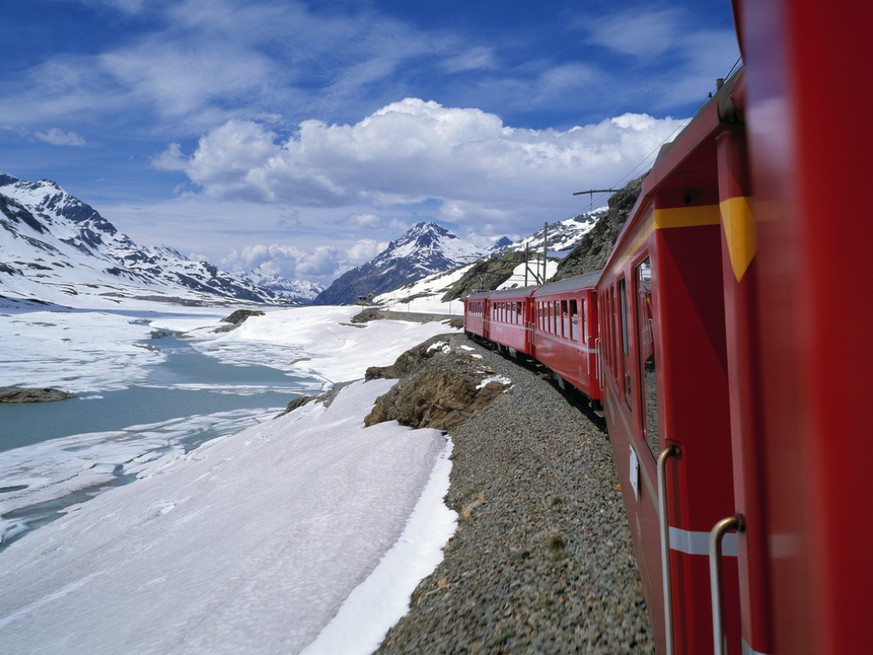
<point>665,382</point>
<point>564,335</point>
<point>509,319</point>
<point>809,144</point>
<point>476,314</point>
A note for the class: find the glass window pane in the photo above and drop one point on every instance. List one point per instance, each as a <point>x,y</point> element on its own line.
<point>646,332</point>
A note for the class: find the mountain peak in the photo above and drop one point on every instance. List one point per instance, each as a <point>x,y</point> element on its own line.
<point>62,247</point>
<point>6,179</point>
<point>424,249</point>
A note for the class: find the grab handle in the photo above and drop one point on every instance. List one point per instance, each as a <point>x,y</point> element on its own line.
<point>599,372</point>
<point>716,536</point>
<point>667,453</point>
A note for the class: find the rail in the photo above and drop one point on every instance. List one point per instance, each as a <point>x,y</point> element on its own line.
<point>664,524</point>
<point>716,536</point>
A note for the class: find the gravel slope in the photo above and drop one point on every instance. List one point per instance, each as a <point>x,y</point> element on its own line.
<point>542,559</point>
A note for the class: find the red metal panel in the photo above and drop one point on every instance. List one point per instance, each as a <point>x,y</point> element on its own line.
<point>810,146</point>
<point>739,272</point>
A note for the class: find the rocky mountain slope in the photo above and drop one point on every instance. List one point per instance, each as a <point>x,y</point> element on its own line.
<point>425,249</point>
<point>53,246</point>
<point>593,249</point>
<point>560,237</point>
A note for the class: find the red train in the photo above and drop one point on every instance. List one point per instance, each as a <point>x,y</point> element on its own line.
<point>555,324</point>
<point>731,326</point>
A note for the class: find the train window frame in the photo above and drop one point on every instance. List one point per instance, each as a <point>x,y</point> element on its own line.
<point>574,319</point>
<point>644,293</point>
<point>623,322</point>
<point>625,325</point>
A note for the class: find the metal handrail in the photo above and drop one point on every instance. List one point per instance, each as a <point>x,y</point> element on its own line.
<point>599,368</point>
<point>716,536</point>
<point>663,456</point>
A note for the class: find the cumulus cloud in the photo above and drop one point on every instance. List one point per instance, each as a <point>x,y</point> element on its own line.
<point>321,263</point>
<point>57,137</point>
<point>467,160</point>
<point>366,220</point>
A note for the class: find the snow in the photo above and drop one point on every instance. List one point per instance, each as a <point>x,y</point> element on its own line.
<point>304,532</point>
<point>425,296</point>
<point>322,339</point>
<point>517,278</point>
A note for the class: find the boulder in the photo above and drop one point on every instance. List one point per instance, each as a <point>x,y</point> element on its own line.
<point>440,387</point>
<point>29,395</point>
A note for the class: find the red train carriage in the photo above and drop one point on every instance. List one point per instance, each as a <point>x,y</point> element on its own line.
<point>509,319</point>
<point>476,314</point>
<point>665,382</point>
<point>810,144</point>
<point>565,331</point>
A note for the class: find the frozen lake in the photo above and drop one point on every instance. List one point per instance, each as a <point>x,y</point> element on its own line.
<point>55,455</point>
<point>307,531</point>
<point>183,383</point>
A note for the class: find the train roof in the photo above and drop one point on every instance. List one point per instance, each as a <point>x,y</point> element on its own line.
<point>586,281</point>
<point>681,166</point>
<point>516,292</point>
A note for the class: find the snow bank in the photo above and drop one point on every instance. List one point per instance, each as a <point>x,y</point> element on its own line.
<point>319,340</point>
<point>250,543</point>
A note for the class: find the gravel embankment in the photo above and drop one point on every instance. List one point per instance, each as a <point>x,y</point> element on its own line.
<point>542,560</point>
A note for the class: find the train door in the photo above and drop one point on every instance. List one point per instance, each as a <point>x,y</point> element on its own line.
<point>693,429</point>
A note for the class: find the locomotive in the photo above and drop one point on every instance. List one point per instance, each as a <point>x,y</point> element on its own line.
<point>726,341</point>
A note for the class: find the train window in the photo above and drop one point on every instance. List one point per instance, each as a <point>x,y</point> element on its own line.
<point>611,318</point>
<point>622,300</point>
<point>574,320</point>
<point>583,320</point>
<point>625,340</point>
<point>646,349</point>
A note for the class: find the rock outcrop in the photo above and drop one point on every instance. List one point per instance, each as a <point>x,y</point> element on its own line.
<point>28,395</point>
<point>440,386</point>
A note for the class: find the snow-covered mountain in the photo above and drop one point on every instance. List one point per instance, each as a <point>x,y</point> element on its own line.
<point>53,247</point>
<point>562,236</point>
<point>294,291</point>
<point>425,249</point>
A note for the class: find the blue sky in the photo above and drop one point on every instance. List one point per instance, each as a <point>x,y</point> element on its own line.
<point>301,137</point>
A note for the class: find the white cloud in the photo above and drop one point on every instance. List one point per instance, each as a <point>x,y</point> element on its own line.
<point>365,220</point>
<point>466,159</point>
<point>476,58</point>
<point>320,263</point>
<point>57,137</point>
<point>363,251</point>
<point>640,33</point>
